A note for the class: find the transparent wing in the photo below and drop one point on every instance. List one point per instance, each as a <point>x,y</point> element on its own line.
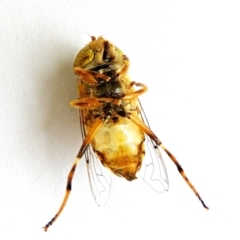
<point>153,170</point>
<point>100,178</point>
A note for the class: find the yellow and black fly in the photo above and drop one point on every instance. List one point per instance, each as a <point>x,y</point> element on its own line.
<point>115,130</point>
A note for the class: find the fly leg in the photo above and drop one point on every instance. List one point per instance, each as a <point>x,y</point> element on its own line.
<point>97,124</point>
<point>92,102</point>
<point>124,70</point>
<point>135,94</point>
<point>90,76</point>
<point>148,131</point>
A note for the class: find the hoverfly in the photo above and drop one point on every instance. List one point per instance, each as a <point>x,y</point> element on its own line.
<point>114,126</point>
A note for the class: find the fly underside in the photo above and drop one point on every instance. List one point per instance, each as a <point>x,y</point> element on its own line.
<point>114,127</point>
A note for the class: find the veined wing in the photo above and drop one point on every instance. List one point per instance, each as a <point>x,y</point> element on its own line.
<point>100,178</point>
<point>153,170</point>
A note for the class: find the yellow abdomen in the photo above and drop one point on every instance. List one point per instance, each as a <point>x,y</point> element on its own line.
<point>120,147</point>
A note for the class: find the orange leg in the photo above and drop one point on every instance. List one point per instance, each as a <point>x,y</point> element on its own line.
<point>92,102</point>
<point>136,93</point>
<point>125,68</point>
<point>148,131</point>
<point>97,124</point>
<point>89,76</point>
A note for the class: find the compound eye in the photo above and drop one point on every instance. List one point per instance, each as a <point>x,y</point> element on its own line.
<point>85,56</point>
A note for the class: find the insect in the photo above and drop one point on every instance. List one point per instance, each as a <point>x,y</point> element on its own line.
<point>116,133</point>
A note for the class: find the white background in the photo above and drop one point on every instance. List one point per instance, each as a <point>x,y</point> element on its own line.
<point>186,52</point>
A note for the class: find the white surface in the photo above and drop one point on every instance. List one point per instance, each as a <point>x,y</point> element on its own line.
<point>187,52</point>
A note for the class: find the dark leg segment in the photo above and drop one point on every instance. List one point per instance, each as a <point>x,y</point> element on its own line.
<point>148,131</point>
<point>98,123</point>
